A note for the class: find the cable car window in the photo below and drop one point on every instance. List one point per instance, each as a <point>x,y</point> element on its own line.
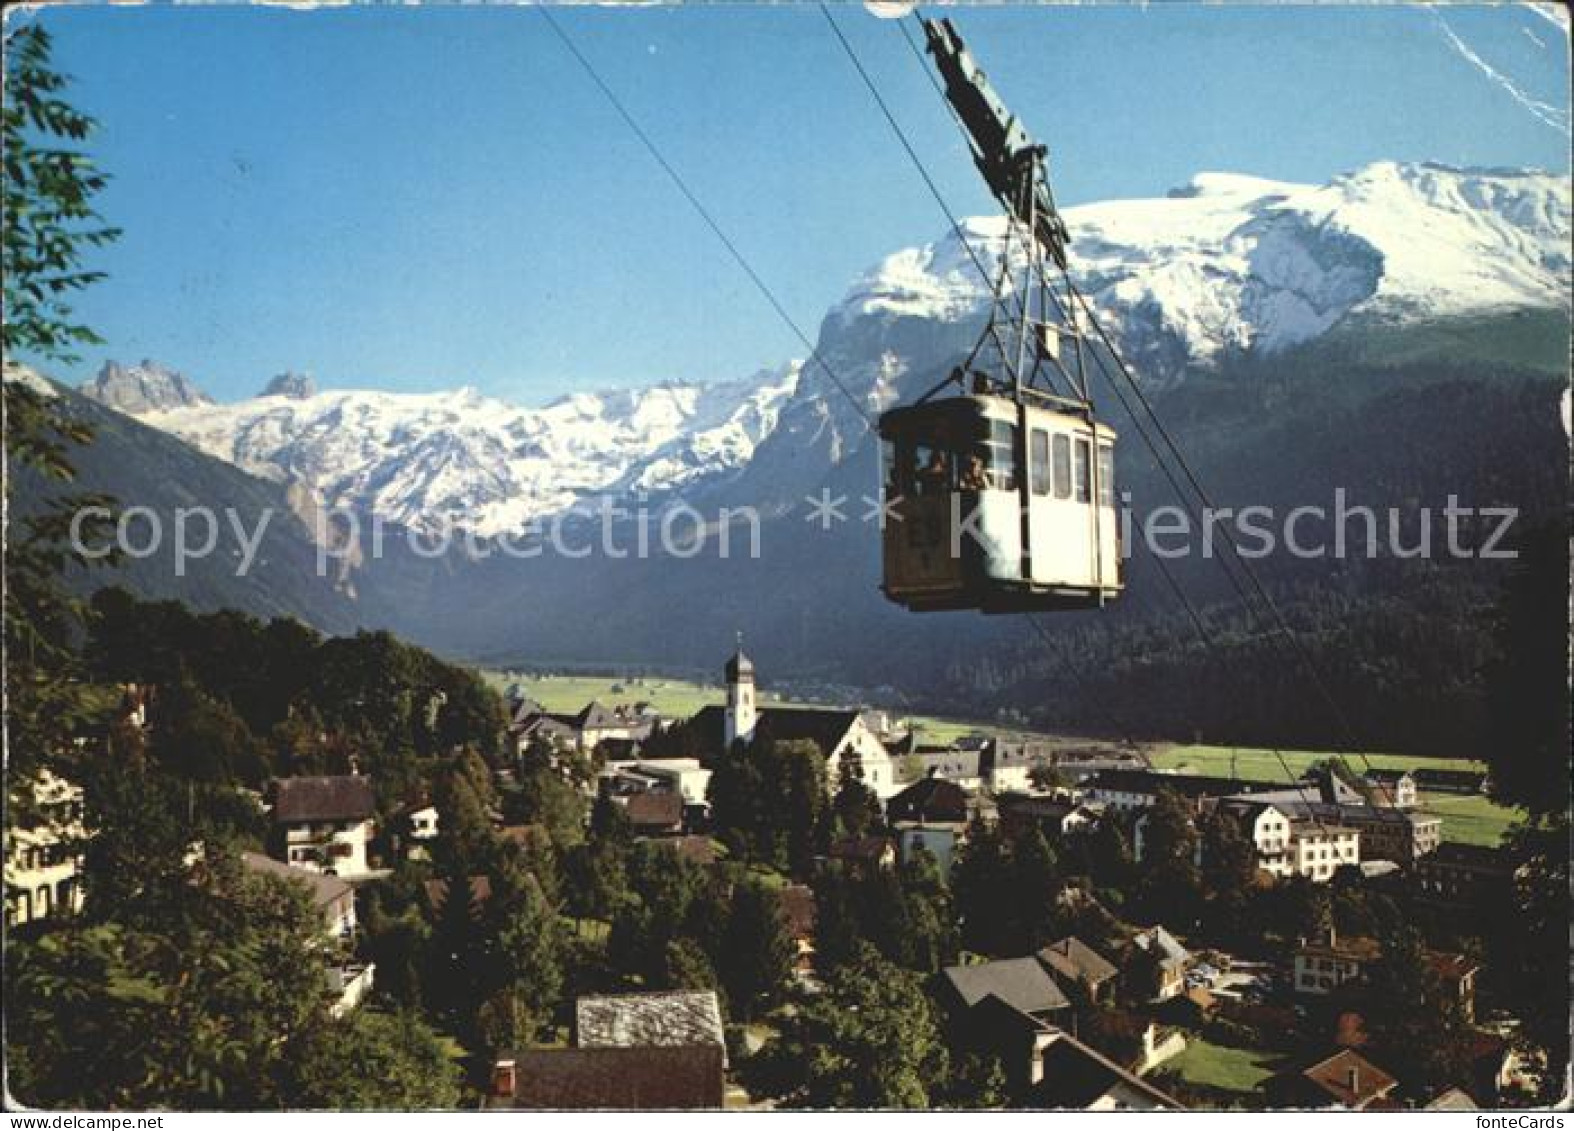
<point>893,482</point>
<point>1106,475</point>
<point>1081,471</point>
<point>1038,462</point>
<point>1000,456</point>
<point>1062,466</point>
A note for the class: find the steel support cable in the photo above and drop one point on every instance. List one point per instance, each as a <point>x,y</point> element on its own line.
<point>901,136</point>
<point>704,213</point>
<point>1153,449</point>
<point>1288,631</point>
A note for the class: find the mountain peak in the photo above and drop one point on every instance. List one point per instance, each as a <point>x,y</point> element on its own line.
<point>144,387</point>
<point>295,386</point>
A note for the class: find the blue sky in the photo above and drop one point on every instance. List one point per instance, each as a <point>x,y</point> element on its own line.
<point>418,198</point>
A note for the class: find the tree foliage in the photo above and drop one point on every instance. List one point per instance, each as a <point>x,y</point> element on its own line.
<point>870,1040</point>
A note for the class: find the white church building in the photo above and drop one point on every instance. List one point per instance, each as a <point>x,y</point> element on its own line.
<point>842,735</point>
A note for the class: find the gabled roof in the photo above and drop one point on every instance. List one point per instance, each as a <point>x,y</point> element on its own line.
<point>1454,1099</point>
<point>339,798</point>
<point>1349,1079</point>
<point>654,809</point>
<point>1077,1077</point>
<point>326,890</point>
<point>825,727</point>
<point>1021,983</point>
<point>681,1077</point>
<point>931,799</point>
<point>1074,959</point>
<point>667,1019</point>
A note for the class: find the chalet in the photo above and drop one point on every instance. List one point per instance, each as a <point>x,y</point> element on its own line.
<point>1393,788</point>
<point>841,735</point>
<point>323,824</point>
<point>1346,1080</point>
<point>1075,963</point>
<point>1464,877</point>
<point>43,866</point>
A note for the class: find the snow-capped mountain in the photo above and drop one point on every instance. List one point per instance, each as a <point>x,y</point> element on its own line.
<point>1233,263</point>
<point>145,387</point>
<point>1222,267</point>
<point>481,464</point>
<point>1225,266</point>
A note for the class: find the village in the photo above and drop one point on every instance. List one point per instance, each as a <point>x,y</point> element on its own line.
<point>1263,984</point>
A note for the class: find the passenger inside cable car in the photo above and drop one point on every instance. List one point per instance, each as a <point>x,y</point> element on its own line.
<point>1024,526</point>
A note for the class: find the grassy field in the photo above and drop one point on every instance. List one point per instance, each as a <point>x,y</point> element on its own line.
<point>1256,764</point>
<point>1470,820</point>
<point>671,697</point>
<point>1222,1066</point>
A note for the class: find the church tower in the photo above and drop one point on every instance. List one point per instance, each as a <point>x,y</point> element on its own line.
<point>741,714</point>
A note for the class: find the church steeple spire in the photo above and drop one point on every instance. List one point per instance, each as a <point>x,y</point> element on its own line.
<point>741,715</point>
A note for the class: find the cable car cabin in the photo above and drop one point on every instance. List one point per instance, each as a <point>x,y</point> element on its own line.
<point>999,506</point>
